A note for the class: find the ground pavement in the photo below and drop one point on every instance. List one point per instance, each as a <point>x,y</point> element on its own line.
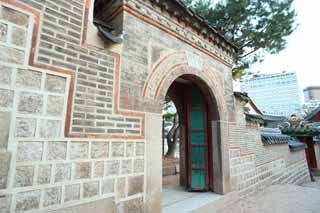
<point>275,199</point>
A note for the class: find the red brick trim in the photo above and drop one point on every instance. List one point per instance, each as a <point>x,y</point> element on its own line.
<point>154,69</point>
<point>72,79</point>
<point>172,69</point>
<point>155,24</point>
<point>85,21</point>
<point>115,13</point>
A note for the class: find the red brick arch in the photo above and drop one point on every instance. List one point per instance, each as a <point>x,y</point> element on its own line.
<point>176,64</point>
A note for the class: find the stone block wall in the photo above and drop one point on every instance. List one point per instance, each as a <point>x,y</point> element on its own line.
<point>74,127</point>
<point>49,174</point>
<point>63,140</point>
<point>151,54</point>
<point>254,166</point>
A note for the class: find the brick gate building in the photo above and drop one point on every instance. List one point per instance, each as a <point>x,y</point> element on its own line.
<point>81,89</point>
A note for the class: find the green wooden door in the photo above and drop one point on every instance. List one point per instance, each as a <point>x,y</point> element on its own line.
<point>197,140</point>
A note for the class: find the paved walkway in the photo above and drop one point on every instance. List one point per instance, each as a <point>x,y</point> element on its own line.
<point>276,199</point>
<point>177,200</point>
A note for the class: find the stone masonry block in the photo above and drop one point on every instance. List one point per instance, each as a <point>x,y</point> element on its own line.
<point>44,174</point>
<point>24,176</point>
<point>5,118</point>
<point>11,55</point>
<point>19,36</point>
<point>55,84</point>
<point>5,203</point>
<point>138,165</point>
<point>28,79</point>
<point>50,129</point>
<point>112,167</point>
<point>79,150</point>
<point>56,150</point>
<point>140,148</point>
<point>133,206</point>
<point>29,200</point>
<point>14,16</point>
<point>90,189</point>
<point>121,187</point>
<point>82,170</point>
<point>126,167</point>
<point>30,151</point>
<point>98,169</point>
<point>135,185</point>
<point>25,127</point>
<point>99,150</point>
<point>62,172</point>
<point>3,32</point>
<point>118,149</point>
<point>55,105</point>
<point>30,103</point>
<point>6,97</point>
<point>5,75</point>
<point>72,192</point>
<point>108,186</point>
<point>5,158</point>
<point>129,149</point>
<point>52,196</point>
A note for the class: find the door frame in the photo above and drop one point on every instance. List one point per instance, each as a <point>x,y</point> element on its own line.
<point>310,153</point>
<point>208,152</point>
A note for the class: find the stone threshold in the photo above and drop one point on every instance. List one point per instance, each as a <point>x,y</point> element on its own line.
<point>177,199</point>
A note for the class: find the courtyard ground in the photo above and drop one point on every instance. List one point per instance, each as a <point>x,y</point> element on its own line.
<point>275,199</point>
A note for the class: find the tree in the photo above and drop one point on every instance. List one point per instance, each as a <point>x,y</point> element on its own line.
<point>255,26</point>
<point>172,136</point>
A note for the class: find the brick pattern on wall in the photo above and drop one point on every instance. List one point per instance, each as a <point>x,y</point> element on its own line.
<point>254,166</point>
<point>149,64</point>
<point>147,9</point>
<point>60,46</point>
<point>63,80</point>
<point>39,167</point>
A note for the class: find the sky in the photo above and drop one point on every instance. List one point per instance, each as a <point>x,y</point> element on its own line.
<point>303,49</point>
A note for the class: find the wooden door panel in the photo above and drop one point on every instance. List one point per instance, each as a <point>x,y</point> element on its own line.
<point>197,140</point>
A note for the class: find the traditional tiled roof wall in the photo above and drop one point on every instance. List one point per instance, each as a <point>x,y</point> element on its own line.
<point>301,129</point>
<point>254,166</point>
<point>176,17</point>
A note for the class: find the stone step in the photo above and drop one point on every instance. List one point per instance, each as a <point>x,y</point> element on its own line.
<point>5,158</point>
<point>315,172</point>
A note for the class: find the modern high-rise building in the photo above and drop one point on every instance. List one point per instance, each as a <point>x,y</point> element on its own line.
<point>312,93</point>
<point>274,94</point>
<point>311,98</point>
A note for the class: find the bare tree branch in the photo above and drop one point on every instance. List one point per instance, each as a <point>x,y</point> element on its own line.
<point>250,52</point>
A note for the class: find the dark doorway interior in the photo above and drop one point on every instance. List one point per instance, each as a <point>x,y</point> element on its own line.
<point>191,167</point>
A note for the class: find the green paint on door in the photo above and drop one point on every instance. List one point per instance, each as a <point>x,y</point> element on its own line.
<point>198,179</point>
<point>197,140</point>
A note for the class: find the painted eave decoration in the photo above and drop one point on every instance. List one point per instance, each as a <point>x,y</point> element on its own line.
<point>300,129</point>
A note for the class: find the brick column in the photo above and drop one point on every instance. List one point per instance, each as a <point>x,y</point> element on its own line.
<point>154,162</point>
<point>221,164</point>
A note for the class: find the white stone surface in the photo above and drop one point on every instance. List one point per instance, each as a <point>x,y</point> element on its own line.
<point>177,199</point>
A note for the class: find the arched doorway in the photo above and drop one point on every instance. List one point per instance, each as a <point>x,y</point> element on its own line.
<point>191,98</point>
<point>172,70</point>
